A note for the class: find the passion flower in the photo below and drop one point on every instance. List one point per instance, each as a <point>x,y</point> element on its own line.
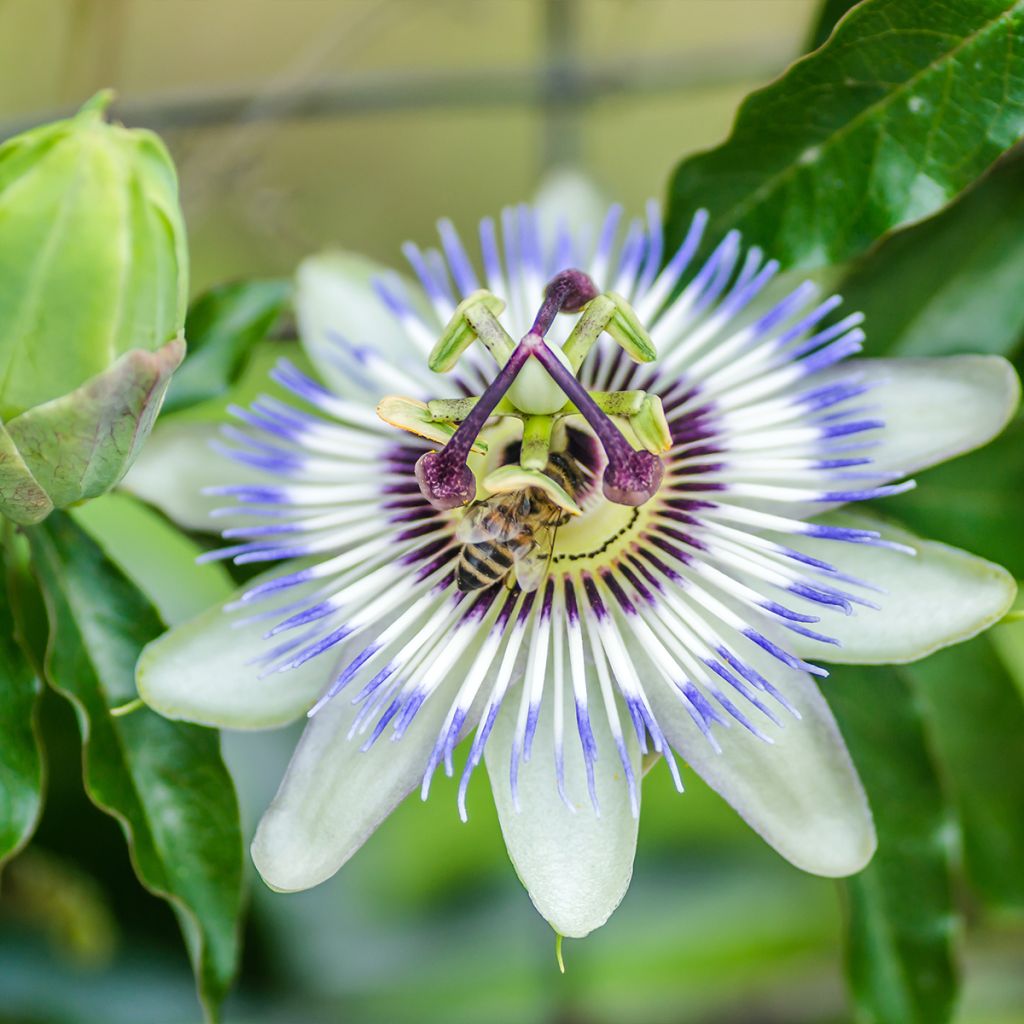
<point>690,437</point>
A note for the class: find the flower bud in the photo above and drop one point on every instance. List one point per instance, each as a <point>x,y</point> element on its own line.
<point>93,291</point>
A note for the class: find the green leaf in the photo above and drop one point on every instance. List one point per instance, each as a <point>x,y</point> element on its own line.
<point>21,759</point>
<point>973,502</point>
<point>907,103</point>
<point>828,17</point>
<point>976,717</point>
<point>1008,640</point>
<point>163,781</point>
<point>953,283</point>
<point>222,326</point>
<point>155,556</point>
<point>901,916</point>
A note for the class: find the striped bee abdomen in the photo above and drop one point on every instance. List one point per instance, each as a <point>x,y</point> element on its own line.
<point>514,530</point>
<point>480,565</point>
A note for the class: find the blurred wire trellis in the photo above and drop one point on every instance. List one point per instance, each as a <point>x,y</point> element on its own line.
<point>348,136</point>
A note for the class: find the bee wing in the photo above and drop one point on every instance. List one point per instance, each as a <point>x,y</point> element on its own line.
<point>491,520</point>
<point>473,526</point>
<point>531,564</point>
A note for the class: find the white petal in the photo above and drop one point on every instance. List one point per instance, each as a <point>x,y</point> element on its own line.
<point>934,409</point>
<point>175,465</point>
<point>800,792</point>
<point>334,795</point>
<point>339,312</point>
<point>568,198</point>
<point>575,866</point>
<point>939,597</point>
<point>201,672</point>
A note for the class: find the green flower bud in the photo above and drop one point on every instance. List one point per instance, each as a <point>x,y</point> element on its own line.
<point>93,291</point>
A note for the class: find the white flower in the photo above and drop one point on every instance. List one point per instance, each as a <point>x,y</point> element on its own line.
<point>686,621</point>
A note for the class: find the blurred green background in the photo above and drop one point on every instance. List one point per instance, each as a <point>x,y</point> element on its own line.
<point>301,123</point>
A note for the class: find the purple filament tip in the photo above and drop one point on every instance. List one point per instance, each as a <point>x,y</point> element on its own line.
<point>631,477</point>
<point>444,478</point>
<point>445,481</point>
<point>568,291</point>
<point>634,479</point>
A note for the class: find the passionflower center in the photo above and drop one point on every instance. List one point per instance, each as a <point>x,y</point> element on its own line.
<point>537,383</point>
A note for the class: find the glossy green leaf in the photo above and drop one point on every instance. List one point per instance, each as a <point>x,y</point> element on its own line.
<point>901,916</point>
<point>973,502</point>
<point>905,105</point>
<point>976,717</point>
<point>21,761</point>
<point>828,17</point>
<point>163,781</point>
<point>952,283</point>
<point>222,327</point>
<point>155,556</point>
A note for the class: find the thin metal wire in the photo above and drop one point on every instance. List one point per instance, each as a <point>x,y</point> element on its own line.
<point>394,90</point>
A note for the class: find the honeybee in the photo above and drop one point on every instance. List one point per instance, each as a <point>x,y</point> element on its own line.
<point>514,531</point>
